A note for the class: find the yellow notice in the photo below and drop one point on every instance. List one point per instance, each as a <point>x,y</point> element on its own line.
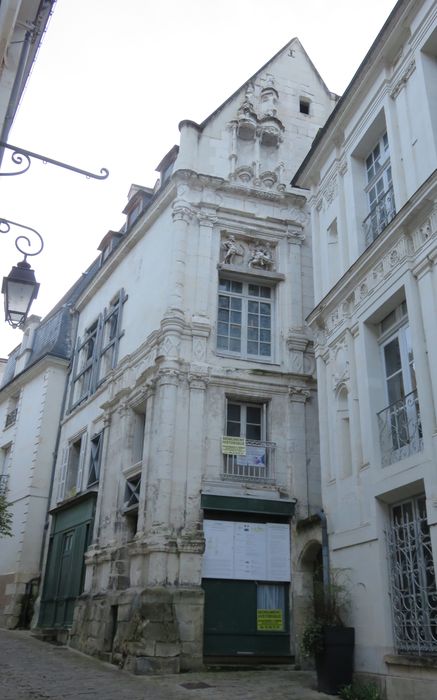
<point>269,620</point>
<point>233,445</point>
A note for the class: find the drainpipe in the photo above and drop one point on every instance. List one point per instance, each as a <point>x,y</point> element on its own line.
<point>325,552</point>
<point>31,36</point>
<point>55,457</point>
<point>17,89</point>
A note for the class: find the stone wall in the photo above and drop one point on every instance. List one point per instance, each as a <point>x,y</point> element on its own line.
<point>153,630</point>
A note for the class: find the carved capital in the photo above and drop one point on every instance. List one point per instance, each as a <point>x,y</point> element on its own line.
<point>295,236</point>
<point>298,394</point>
<point>182,211</point>
<point>198,379</point>
<point>400,84</point>
<point>168,375</point>
<point>206,218</point>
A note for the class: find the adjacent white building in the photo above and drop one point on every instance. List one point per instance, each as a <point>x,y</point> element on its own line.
<point>29,401</point>
<point>373,202</point>
<point>189,437</point>
<point>32,393</point>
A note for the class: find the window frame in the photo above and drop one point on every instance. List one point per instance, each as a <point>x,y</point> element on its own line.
<point>399,420</point>
<point>244,310</point>
<point>65,467</point>
<point>381,205</point>
<point>245,404</point>
<point>89,364</point>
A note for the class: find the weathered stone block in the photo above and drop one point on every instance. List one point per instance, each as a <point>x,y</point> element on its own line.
<point>167,649</point>
<point>143,665</point>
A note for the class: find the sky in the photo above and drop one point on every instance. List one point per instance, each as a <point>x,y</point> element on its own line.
<point>111,82</point>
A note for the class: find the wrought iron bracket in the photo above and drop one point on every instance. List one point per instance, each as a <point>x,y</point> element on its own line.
<point>22,157</point>
<point>5,227</point>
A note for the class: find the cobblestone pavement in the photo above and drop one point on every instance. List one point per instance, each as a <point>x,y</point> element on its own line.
<point>35,670</point>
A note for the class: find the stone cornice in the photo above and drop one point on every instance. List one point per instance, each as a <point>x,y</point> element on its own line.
<point>29,373</point>
<point>393,247</point>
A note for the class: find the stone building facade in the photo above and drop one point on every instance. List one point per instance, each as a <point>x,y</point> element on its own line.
<point>373,205</point>
<point>32,392</point>
<point>189,442</point>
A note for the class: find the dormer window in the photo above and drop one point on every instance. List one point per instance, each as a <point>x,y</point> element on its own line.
<point>108,243</point>
<point>165,168</point>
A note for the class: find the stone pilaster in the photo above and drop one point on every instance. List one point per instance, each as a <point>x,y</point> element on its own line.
<point>207,219</point>
<point>182,215</point>
<point>298,396</point>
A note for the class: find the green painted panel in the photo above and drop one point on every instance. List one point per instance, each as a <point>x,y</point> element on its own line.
<point>247,505</point>
<point>76,513</point>
<point>230,627</point>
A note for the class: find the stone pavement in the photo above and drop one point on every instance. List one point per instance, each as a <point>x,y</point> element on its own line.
<point>35,670</point>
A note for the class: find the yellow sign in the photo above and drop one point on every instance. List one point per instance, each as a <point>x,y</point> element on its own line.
<point>269,620</point>
<point>233,445</point>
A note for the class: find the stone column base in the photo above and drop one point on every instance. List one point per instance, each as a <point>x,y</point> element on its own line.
<point>147,631</point>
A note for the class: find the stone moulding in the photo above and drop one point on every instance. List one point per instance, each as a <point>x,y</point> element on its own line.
<point>405,246</point>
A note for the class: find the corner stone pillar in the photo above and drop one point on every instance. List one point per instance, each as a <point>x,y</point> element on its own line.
<point>182,215</point>
<point>295,238</point>
<point>298,396</point>
<point>191,543</point>
<point>207,219</point>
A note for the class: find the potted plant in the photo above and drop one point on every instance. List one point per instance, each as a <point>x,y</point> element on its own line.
<point>327,638</point>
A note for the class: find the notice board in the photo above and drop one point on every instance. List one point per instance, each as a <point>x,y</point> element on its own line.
<point>250,551</point>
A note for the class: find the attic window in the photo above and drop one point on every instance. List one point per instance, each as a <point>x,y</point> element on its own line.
<point>304,106</point>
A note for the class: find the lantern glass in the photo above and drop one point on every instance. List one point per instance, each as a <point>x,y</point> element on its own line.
<point>20,289</point>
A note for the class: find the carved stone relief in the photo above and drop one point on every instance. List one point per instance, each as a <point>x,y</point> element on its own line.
<point>400,84</point>
<point>256,134</point>
<point>247,252</point>
<point>261,257</point>
<point>368,284</point>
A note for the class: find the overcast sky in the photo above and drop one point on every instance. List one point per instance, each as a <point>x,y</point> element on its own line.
<point>110,85</point>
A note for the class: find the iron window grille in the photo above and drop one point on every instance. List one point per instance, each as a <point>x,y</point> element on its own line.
<point>132,493</point>
<point>95,459</point>
<point>412,577</point>
<point>11,417</point>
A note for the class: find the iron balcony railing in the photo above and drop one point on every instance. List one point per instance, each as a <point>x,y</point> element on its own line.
<point>258,464</point>
<point>11,417</point>
<point>380,216</point>
<point>4,478</point>
<point>400,429</point>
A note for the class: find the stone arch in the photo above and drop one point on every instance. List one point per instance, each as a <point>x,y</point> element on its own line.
<point>308,569</point>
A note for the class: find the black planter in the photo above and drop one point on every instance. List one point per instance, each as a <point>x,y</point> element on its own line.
<point>335,664</point>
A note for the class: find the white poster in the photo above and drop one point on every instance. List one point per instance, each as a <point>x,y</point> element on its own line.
<point>218,559</point>
<point>248,551</point>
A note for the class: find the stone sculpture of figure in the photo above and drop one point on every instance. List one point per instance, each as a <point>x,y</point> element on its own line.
<point>261,257</point>
<point>232,249</point>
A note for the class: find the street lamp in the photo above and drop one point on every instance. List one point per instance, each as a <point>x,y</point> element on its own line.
<point>20,286</point>
<point>20,289</point>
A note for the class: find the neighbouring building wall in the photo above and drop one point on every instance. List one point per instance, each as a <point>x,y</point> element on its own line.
<point>374,228</point>
<point>29,416</point>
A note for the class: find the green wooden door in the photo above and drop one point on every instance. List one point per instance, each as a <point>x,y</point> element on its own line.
<point>63,579</point>
<point>233,620</point>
